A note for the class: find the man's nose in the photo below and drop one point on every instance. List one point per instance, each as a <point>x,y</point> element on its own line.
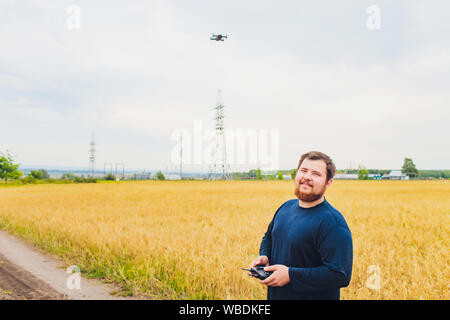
<point>307,175</point>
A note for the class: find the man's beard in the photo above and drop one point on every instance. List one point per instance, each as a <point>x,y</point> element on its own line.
<point>308,197</point>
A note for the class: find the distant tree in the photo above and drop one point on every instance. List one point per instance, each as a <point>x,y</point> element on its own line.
<point>259,175</point>
<point>434,174</point>
<point>110,176</point>
<point>34,174</point>
<point>68,176</point>
<point>84,180</point>
<point>8,169</point>
<point>45,174</point>
<point>280,175</point>
<point>16,175</point>
<point>363,173</point>
<point>252,173</point>
<point>255,173</point>
<point>293,173</point>
<point>409,168</point>
<point>160,175</point>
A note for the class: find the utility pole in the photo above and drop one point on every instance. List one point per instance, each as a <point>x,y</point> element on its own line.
<point>218,168</point>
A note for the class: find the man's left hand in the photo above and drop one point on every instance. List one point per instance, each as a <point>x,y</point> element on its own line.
<point>279,277</point>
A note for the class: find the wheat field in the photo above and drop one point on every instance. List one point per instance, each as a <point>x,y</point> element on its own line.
<point>189,239</point>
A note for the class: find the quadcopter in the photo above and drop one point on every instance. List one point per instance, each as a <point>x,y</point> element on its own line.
<point>218,37</point>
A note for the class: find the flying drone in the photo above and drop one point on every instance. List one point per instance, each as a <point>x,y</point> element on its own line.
<point>218,37</point>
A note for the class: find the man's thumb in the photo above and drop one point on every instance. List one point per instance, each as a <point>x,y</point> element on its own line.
<point>271,268</point>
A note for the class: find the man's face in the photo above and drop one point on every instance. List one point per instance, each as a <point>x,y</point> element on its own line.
<point>311,180</point>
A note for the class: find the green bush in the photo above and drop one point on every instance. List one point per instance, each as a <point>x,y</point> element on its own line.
<point>110,177</point>
<point>68,176</point>
<point>84,180</point>
<point>28,179</point>
<point>160,175</point>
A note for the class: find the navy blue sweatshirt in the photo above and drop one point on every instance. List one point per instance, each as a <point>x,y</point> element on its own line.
<point>316,244</point>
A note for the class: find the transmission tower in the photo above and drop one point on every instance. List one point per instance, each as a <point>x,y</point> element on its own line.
<point>107,166</point>
<point>118,167</point>
<point>92,156</point>
<point>181,156</point>
<point>218,168</point>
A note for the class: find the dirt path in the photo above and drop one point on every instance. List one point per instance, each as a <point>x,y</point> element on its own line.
<point>18,284</point>
<point>29,273</point>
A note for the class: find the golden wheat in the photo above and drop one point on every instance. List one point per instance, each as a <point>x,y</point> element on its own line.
<point>188,239</point>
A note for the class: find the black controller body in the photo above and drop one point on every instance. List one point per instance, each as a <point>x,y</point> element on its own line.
<point>259,272</point>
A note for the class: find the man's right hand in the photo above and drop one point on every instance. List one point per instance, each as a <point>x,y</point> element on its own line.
<point>260,260</point>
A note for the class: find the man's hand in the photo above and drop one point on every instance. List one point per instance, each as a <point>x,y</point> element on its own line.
<point>279,277</point>
<point>260,260</point>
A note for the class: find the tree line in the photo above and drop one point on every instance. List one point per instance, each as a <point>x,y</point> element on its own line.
<point>9,170</point>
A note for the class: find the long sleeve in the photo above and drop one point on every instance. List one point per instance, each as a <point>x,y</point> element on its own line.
<point>265,248</point>
<point>266,244</point>
<point>336,252</point>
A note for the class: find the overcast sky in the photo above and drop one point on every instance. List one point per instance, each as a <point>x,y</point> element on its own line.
<point>321,73</point>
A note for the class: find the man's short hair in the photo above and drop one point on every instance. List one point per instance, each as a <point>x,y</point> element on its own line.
<point>316,155</point>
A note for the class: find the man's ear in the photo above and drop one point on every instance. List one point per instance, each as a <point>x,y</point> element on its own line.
<point>329,182</point>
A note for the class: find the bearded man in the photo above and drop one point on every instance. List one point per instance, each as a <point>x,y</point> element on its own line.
<point>308,244</point>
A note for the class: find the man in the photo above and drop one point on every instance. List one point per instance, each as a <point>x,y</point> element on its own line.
<point>308,244</point>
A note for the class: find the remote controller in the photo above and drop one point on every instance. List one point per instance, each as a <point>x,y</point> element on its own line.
<point>258,272</point>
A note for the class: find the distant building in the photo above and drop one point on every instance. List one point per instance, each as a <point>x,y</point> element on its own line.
<point>172,177</point>
<point>345,176</point>
<point>142,176</point>
<point>396,175</point>
<point>287,177</point>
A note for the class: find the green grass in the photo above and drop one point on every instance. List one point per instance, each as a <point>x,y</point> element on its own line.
<point>167,282</point>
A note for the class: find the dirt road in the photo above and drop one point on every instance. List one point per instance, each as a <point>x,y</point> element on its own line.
<point>29,273</point>
<point>19,284</point>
